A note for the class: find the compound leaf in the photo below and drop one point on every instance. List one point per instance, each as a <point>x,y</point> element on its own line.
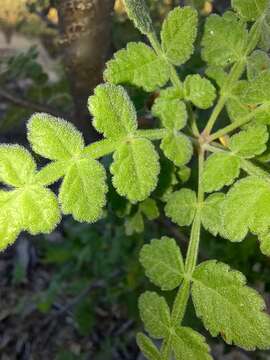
<point>135,169</point>
<point>177,147</point>
<point>39,210</point>
<point>257,62</point>
<point>224,39</point>
<point>155,314</point>
<point>147,347</point>
<point>181,207</point>
<point>163,263</point>
<point>189,345</point>
<point>138,65</point>
<point>250,10</point>
<point>227,306</point>
<point>199,91</point>
<point>82,192</point>
<point>138,12</point>
<point>246,207</point>
<point>178,34</point>
<point>220,169</point>
<point>54,138</point>
<point>212,213</point>
<point>170,110</point>
<point>114,113</point>
<point>17,166</point>
<point>250,142</point>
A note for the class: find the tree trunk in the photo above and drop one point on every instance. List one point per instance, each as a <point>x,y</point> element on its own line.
<point>85,27</point>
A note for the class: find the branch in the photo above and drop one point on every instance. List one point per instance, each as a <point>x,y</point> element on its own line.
<point>29,104</point>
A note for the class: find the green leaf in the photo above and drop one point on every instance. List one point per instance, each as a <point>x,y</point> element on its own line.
<point>52,172</point>
<point>135,169</point>
<point>17,166</point>
<point>82,192</point>
<point>147,347</point>
<point>114,113</point>
<point>199,91</point>
<point>257,62</point>
<point>184,174</point>
<point>265,243</point>
<point>212,213</point>
<point>258,91</point>
<point>217,73</point>
<point>220,169</point>
<point>250,142</point>
<point>170,110</point>
<point>224,41</point>
<point>189,345</point>
<point>177,147</point>
<point>39,210</point>
<point>181,207</point>
<point>138,12</point>
<point>138,65</point>
<point>179,33</point>
<point>227,306</point>
<point>163,263</point>
<point>264,42</point>
<point>54,138</point>
<point>246,207</point>
<point>134,224</point>
<point>250,10</point>
<point>150,209</point>
<point>155,314</point>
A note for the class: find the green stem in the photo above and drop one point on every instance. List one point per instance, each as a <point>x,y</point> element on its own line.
<point>180,303</point>
<point>100,148</point>
<point>235,125</point>
<point>152,134</point>
<point>254,170</point>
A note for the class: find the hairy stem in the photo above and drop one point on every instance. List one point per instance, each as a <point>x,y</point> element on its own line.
<point>152,134</point>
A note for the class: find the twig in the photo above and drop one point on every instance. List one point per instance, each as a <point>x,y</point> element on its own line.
<point>29,104</point>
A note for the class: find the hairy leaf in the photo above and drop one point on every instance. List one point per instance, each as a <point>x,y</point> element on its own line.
<point>246,207</point>
<point>82,192</point>
<point>138,12</point>
<point>155,314</point>
<point>212,213</point>
<point>250,142</point>
<point>54,138</point>
<point>178,34</point>
<point>17,166</point>
<point>52,172</point>
<point>220,169</point>
<point>258,91</point>
<point>163,263</point>
<point>250,10</point>
<point>189,345</point>
<point>265,243</point>
<point>114,113</point>
<point>135,169</point>
<point>177,148</point>
<point>150,209</point>
<point>199,91</point>
<point>138,65</point>
<point>224,39</point>
<point>227,306</point>
<point>258,61</point>
<point>181,207</point>
<point>147,347</point>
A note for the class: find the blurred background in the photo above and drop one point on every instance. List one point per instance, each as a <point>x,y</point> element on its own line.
<point>73,294</point>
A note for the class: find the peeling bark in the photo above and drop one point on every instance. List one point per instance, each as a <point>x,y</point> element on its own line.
<point>85,27</point>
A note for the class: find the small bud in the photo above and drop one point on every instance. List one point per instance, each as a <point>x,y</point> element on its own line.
<point>138,12</point>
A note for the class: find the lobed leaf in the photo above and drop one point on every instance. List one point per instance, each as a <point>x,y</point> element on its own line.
<point>220,169</point>
<point>227,306</point>
<point>82,192</point>
<point>199,91</point>
<point>265,243</point>
<point>250,10</point>
<point>224,40</point>
<point>17,166</point>
<point>212,213</point>
<point>155,314</point>
<point>135,169</point>
<point>54,138</point>
<point>189,345</point>
<point>150,209</point>
<point>250,142</point>
<point>147,347</point>
<point>181,207</point>
<point>163,263</point>
<point>138,65</point>
<point>114,113</point>
<point>246,207</point>
<point>138,12</point>
<point>257,62</point>
<point>177,147</point>
<point>178,34</point>
<point>258,91</point>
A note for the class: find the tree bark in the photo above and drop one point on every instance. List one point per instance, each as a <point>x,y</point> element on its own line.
<point>85,27</point>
